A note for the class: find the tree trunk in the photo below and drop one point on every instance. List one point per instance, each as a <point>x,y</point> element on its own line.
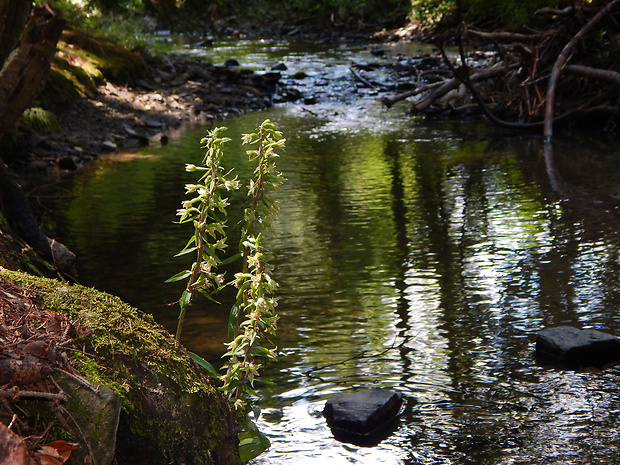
<point>25,66</point>
<point>13,17</point>
<point>27,46</point>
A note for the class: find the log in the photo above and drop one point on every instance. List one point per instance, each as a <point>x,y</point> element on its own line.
<point>510,36</point>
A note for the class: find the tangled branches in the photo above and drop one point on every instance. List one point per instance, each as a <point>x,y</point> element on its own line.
<point>524,81</point>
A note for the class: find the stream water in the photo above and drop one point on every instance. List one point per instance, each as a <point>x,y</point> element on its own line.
<point>412,255</point>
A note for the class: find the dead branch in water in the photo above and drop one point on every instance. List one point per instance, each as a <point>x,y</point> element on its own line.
<point>561,62</point>
<point>520,79</point>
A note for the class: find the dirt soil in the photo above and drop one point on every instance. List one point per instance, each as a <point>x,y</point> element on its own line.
<point>33,345</point>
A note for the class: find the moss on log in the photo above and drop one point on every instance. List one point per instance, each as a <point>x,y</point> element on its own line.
<point>171,411</point>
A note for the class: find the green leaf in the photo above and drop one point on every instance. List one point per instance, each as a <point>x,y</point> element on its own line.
<point>179,276</point>
<point>185,298</point>
<point>209,296</point>
<point>185,252</point>
<point>232,321</point>
<point>231,259</point>
<point>204,364</point>
<point>252,444</point>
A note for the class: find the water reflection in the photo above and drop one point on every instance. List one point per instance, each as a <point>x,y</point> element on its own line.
<point>417,257</point>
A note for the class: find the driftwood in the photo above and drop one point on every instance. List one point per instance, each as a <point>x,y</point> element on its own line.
<point>563,59</point>
<point>512,36</point>
<point>516,86</point>
<point>439,89</point>
<point>608,75</point>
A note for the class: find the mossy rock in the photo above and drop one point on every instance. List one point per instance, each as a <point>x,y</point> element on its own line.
<point>171,411</point>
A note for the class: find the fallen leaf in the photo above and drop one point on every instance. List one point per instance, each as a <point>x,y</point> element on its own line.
<point>53,325</point>
<point>56,452</point>
<point>12,447</point>
<point>36,348</point>
<point>48,456</point>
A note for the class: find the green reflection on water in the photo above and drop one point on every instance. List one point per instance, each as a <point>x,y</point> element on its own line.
<point>426,257</point>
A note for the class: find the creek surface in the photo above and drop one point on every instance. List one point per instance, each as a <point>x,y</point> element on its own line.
<point>412,255</point>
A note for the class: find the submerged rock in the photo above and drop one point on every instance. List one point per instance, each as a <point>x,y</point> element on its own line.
<point>364,417</point>
<point>577,346</point>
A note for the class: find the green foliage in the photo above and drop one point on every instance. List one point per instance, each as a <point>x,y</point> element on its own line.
<point>368,10</point>
<point>253,317</point>
<point>39,119</point>
<point>207,211</point>
<point>491,14</point>
<point>431,11</point>
<point>123,22</point>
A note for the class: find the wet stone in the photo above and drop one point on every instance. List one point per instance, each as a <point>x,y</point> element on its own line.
<point>108,145</point>
<point>573,346</point>
<point>364,417</point>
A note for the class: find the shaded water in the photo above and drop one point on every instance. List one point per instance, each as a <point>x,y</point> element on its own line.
<point>416,256</point>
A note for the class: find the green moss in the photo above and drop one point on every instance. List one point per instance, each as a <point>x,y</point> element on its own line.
<point>82,63</point>
<point>115,63</point>
<point>137,358</point>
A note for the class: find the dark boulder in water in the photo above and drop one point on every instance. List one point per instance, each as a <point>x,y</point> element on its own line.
<point>573,346</point>
<point>365,417</point>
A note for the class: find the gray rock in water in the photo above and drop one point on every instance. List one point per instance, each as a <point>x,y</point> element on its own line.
<point>363,417</point>
<point>578,346</point>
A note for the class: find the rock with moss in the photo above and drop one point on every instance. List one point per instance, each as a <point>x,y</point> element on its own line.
<point>95,415</point>
<point>171,411</point>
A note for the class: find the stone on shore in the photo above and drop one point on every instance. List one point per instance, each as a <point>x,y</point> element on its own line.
<point>573,346</point>
<point>363,417</point>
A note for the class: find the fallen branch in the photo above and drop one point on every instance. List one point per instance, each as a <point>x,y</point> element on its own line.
<point>361,79</point>
<point>561,62</point>
<point>22,371</point>
<point>16,394</point>
<point>510,36</point>
<point>464,77</point>
<point>554,11</point>
<point>608,75</point>
<point>439,89</point>
<point>389,102</point>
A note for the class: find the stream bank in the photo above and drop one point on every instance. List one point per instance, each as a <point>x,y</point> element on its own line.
<point>127,105</point>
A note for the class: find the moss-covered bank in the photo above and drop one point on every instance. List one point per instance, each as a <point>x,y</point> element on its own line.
<point>82,63</point>
<point>172,413</point>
